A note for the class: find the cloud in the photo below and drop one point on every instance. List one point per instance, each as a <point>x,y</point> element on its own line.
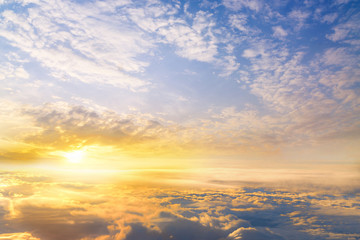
<point>329,18</point>
<point>347,30</point>
<point>61,37</point>
<point>18,236</point>
<point>252,233</point>
<point>239,21</point>
<point>236,5</point>
<point>283,80</point>
<point>299,17</point>
<point>64,126</point>
<point>59,209</point>
<point>194,37</point>
<point>279,32</point>
<point>196,42</point>
<point>338,56</point>
<point>59,127</point>
<point>251,53</point>
<point>56,224</point>
<point>9,71</point>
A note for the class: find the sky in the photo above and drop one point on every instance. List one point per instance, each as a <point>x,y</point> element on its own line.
<point>251,83</point>
<point>179,119</point>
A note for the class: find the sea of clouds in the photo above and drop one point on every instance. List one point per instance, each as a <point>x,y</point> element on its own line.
<point>202,204</point>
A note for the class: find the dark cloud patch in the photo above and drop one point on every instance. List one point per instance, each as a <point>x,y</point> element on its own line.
<point>28,155</point>
<point>58,224</point>
<point>3,223</point>
<point>175,229</point>
<point>183,229</point>
<point>140,232</point>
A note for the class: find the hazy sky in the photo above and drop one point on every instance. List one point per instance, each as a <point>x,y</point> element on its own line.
<point>224,82</point>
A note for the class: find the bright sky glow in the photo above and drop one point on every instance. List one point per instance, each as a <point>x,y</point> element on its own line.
<point>74,157</point>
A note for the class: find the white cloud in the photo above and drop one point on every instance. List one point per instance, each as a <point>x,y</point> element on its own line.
<point>329,18</point>
<point>236,5</point>
<point>79,42</point>
<point>299,15</point>
<point>239,22</point>
<point>10,71</point>
<point>337,56</point>
<point>250,233</point>
<point>340,33</point>
<point>299,18</point>
<point>229,65</point>
<point>193,41</point>
<point>196,42</point>
<point>251,53</point>
<point>279,32</point>
<point>346,30</point>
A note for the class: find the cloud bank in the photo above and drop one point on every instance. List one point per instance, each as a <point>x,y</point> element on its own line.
<point>31,209</point>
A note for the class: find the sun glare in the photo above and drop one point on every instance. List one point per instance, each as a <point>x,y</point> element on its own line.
<point>75,156</point>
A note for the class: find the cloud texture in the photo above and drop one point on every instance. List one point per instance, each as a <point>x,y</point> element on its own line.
<point>31,209</point>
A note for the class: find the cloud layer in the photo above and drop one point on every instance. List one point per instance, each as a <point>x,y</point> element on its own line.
<point>32,209</point>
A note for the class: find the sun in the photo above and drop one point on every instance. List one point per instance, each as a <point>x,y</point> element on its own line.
<point>75,156</point>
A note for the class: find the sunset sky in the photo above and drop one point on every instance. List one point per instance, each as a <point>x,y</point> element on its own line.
<point>172,83</point>
<point>179,119</point>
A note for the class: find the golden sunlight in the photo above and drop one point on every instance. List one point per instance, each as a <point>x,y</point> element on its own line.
<point>75,156</point>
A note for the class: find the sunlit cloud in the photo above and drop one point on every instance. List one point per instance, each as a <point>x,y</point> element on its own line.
<point>32,208</point>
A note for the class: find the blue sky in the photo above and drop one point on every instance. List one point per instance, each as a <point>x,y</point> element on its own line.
<point>250,79</point>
